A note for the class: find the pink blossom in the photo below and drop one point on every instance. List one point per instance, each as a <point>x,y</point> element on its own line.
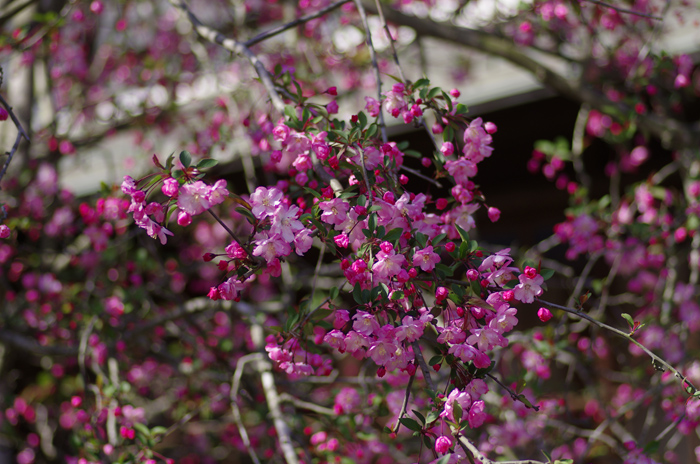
<point>426,259</point>
<point>270,246</point>
<point>477,416</point>
<point>193,198</point>
<point>365,323</point>
<point>265,201</point>
<point>285,222</point>
<point>388,264</point>
<point>303,241</point>
<point>528,288</point>
<point>463,399</point>
<point>373,106</point>
<point>334,211</point>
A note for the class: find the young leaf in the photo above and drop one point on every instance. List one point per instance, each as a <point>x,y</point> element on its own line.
<point>185,158</point>
<point>629,319</point>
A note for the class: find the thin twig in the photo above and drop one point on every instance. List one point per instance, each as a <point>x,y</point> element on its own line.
<point>236,47</point>
<point>20,133</point>
<point>264,367</point>
<point>514,395</point>
<point>656,360</point>
<point>375,65</point>
<point>301,404</point>
<point>423,366</point>
<point>235,382</point>
<point>404,405</point>
<point>469,447</point>
<point>422,176</point>
<point>624,10</point>
<point>284,27</point>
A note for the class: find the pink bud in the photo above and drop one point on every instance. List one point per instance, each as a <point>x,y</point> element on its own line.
<point>443,444</point>
<point>544,314</point>
<point>447,148</point>
<point>455,93</point>
<point>472,274</point>
<point>96,7</point>
<point>490,127</point>
<point>494,214</point>
<point>184,219</point>
<point>441,203</point>
<point>3,114</point>
<point>4,231</point>
<point>426,162</point>
<point>450,247</point>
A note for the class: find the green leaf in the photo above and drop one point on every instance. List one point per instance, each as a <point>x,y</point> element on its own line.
<point>437,359</point>
<point>313,192</point>
<point>629,319</point>
<point>393,234</point>
<point>246,213</point>
<point>651,447</point>
<point>457,411</point>
<point>372,222</point>
<point>420,416</point>
<point>141,428</point>
<point>432,417</point>
<point>547,273</point>
<point>445,459</point>
<point>397,295</point>
<point>462,233</point>
<point>411,424</point>
<point>564,461</point>
<point>357,294</point>
<point>185,158</point>
<point>549,458</point>
<point>333,294</point>
<point>362,117</point>
<point>434,92</point>
<point>422,82</point>
<point>207,163</point>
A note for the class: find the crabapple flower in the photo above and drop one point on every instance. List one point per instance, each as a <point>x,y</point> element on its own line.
<point>303,241</point>
<point>265,201</point>
<point>426,259</point>
<point>334,211</point>
<point>285,222</point>
<point>388,264</point>
<point>4,231</point>
<point>194,198</point>
<point>463,399</point>
<point>270,247</point>
<point>477,416</point>
<point>528,288</point>
<point>373,106</point>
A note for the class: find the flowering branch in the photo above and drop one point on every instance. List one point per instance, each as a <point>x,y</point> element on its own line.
<point>677,133</point>
<point>657,362</point>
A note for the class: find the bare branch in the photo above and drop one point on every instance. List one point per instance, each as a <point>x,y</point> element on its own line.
<point>624,10</point>
<point>304,19</point>
<point>236,47</point>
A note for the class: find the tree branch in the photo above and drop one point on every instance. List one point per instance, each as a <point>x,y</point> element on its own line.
<point>675,133</point>
<point>236,47</point>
